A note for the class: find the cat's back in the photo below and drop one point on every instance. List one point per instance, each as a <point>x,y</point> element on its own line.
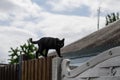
<point>48,40</point>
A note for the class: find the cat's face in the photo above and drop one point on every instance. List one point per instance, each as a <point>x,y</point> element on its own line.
<point>61,43</point>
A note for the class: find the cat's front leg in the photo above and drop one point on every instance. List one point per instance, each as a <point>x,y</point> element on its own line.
<point>58,52</point>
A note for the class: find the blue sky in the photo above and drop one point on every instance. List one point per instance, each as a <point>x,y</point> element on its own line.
<point>69,19</point>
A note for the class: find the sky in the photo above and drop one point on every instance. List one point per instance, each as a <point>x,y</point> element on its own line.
<point>69,19</point>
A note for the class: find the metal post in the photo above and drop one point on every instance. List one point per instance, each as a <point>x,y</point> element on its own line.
<point>98,18</point>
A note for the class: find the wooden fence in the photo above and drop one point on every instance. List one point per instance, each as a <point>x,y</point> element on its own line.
<point>37,69</point>
<point>9,72</point>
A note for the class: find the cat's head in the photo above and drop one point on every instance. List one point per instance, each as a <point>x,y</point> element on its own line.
<point>61,43</point>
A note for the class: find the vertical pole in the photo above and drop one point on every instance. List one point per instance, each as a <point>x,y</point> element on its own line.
<point>98,18</point>
<point>20,68</point>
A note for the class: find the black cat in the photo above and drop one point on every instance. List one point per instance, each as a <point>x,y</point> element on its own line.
<point>47,43</point>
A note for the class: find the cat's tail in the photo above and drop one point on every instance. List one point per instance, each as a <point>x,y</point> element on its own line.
<point>34,42</point>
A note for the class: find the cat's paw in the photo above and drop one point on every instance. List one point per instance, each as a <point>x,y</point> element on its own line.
<point>61,56</point>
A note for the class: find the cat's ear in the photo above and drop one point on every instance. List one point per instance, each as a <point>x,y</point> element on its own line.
<point>63,39</point>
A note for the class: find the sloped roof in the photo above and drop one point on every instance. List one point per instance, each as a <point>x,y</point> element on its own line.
<point>98,41</point>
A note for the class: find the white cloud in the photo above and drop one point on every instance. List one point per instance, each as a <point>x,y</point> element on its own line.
<point>18,9</point>
<point>7,5</point>
<point>69,5</point>
<point>12,37</point>
<point>110,6</point>
<point>69,27</point>
<point>62,5</point>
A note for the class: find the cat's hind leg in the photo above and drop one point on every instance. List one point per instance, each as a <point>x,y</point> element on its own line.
<point>37,53</point>
<point>46,52</point>
<point>40,51</point>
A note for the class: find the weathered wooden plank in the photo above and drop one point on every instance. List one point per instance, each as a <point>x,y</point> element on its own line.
<point>35,68</point>
<point>32,70</point>
<point>8,76</point>
<point>47,70</point>
<point>4,73</point>
<point>15,72</point>
<point>44,69</point>
<point>0,73</point>
<point>12,70</point>
<point>23,69</point>
<point>40,69</point>
<point>29,70</point>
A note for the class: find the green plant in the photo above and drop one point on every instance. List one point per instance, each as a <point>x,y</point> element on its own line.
<point>28,49</point>
<point>110,18</point>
